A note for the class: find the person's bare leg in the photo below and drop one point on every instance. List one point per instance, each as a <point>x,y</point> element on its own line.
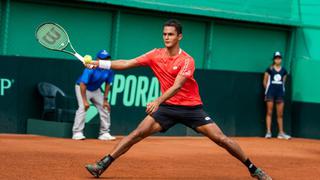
<point>269,105</point>
<point>280,107</point>
<point>213,132</point>
<point>146,128</point>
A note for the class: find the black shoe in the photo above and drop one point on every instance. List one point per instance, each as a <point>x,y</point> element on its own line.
<point>261,175</point>
<point>98,168</point>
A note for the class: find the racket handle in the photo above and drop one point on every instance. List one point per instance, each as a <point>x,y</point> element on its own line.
<point>79,57</point>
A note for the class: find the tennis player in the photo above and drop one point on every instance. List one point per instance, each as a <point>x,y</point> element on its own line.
<point>180,101</point>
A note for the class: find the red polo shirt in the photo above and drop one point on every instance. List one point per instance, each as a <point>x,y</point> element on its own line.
<point>166,68</point>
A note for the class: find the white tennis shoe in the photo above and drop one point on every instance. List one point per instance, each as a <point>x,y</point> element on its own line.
<point>106,137</point>
<point>268,135</point>
<point>284,136</point>
<point>78,136</point>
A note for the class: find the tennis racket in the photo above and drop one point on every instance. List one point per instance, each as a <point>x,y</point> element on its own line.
<point>54,37</point>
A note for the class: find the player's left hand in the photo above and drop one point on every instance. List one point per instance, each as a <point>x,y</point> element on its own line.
<point>152,107</point>
<point>106,105</point>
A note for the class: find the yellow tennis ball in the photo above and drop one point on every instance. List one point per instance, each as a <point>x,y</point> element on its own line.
<point>87,59</point>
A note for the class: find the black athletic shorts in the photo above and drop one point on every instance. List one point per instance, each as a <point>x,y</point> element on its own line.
<point>191,116</point>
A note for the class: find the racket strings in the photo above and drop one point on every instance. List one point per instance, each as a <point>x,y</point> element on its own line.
<point>52,37</point>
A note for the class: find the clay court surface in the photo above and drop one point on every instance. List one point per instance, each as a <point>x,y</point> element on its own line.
<point>38,157</point>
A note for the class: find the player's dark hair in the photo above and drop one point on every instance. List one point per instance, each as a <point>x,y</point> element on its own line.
<point>175,23</point>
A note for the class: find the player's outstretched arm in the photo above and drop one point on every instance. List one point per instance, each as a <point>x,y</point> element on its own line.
<point>114,64</point>
<point>124,64</point>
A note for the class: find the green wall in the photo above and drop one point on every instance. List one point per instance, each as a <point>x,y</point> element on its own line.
<point>225,36</point>
<point>307,55</point>
<point>305,70</point>
<point>306,67</point>
<point>128,33</point>
<point>271,11</point>
<point>306,81</point>
<point>245,48</point>
<point>227,98</point>
<point>78,21</point>
<point>140,33</point>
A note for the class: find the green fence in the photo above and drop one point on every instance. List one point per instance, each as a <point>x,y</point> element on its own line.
<point>233,99</point>
<point>128,33</point>
<point>272,11</point>
<point>222,36</point>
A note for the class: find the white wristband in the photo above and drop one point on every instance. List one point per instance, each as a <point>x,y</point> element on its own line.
<point>103,64</point>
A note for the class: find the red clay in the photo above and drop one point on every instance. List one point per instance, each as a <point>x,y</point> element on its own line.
<point>36,157</point>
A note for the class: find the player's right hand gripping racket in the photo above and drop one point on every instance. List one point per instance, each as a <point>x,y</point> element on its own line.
<point>54,37</point>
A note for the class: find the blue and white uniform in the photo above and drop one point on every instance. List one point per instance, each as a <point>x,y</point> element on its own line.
<point>275,89</point>
<point>93,79</point>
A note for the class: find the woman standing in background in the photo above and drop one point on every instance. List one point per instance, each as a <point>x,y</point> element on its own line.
<point>274,84</point>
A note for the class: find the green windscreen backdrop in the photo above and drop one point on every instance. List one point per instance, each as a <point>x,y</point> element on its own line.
<point>245,48</point>
<point>222,35</point>
<point>272,11</point>
<point>136,40</point>
<point>307,55</point>
<point>226,95</point>
<point>306,74</point>
<point>214,44</point>
<point>86,34</point>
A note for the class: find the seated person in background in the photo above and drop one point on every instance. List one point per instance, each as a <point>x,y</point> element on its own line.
<point>88,89</point>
